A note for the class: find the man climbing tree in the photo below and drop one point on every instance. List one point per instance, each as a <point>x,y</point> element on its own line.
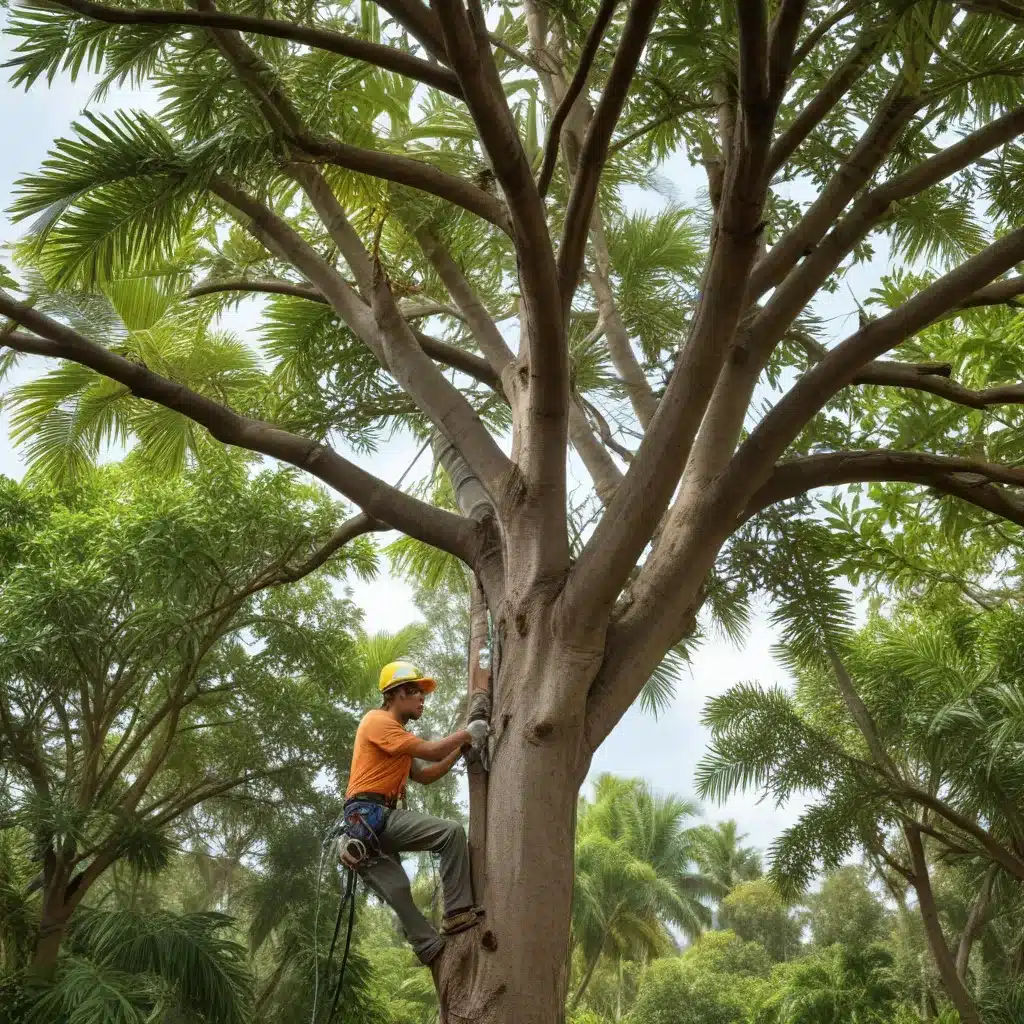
<point>384,757</point>
<point>382,177</point>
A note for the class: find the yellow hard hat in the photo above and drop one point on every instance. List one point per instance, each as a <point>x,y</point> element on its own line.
<point>397,673</point>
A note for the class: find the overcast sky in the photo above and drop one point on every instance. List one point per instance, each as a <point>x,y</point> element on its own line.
<point>664,752</point>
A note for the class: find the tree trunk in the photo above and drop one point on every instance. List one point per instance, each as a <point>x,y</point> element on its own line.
<point>958,994</point>
<point>53,925</point>
<point>514,967</point>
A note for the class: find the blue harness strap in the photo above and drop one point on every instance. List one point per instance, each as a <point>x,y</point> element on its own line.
<point>365,820</point>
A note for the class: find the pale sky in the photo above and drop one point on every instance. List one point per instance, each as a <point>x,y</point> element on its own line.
<point>664,752</point>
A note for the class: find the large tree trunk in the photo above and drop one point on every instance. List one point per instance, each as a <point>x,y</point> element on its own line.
<point>514,967</point>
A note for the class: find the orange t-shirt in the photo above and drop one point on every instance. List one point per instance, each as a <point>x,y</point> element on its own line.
<point>380,756</point>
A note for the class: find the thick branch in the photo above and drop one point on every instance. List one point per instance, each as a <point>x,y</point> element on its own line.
<point>975,922</point>
<point>594,151</point>
<point>579,80</point>
<point>973,480</point>
<point>752,36</point>
<point>387,57</point>
<point>805,280</point>
<point>543,349</point>
<point>781,42</point>
<point>867,156</point>
<point>377,499</point>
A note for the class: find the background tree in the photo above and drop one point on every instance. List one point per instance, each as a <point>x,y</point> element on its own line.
<point>365,169</point>
<point>846,910</point>
<point>156,657</point>
<point>634,876</point>
<point>757,913</point>
<point>872,732</point>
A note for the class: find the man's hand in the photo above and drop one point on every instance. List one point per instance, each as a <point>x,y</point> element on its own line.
<point>478,731</point>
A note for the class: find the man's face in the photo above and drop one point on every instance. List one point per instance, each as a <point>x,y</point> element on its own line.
<point>408,701</point>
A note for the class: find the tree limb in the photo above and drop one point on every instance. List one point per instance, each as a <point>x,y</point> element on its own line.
<point>377,499</point>
<point>796,290</point>
<point>403,170</point>
<point>958,995</point>
<point>834,89</point>
<point>966,478</point>
<point>579,79</point>
<point>387,57</point>
<point>975,922</point>
<point>446,406</point>
<point>594,150</point>
<point>781,43</point>
<point>441,351</point>
<point>485,330</point>
<point>894,114</point>
<point>752,38</point>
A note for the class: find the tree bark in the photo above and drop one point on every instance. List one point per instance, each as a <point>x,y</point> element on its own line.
<point>514,966</point>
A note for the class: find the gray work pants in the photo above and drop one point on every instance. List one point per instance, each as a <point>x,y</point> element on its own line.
<point>409,831</point>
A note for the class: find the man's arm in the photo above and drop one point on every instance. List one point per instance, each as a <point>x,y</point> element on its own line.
<point>428,773</point>
<point>438,750</point>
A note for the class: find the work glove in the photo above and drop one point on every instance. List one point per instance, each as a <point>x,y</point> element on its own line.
<point>478,730</point>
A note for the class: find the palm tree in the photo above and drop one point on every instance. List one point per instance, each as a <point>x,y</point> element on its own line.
<point>635,882</point>
<point>722,857</point>
<point>837,984</point>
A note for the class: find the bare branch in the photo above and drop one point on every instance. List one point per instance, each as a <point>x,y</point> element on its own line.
<point>894,114</point>
<point>387,57</point>
<point>271,286</point>
<point>485,331</point>
<point>752,34</point>
<point>926,378</point>
<point>600,465</point>
<point>450,355</point>
<point>380,501</point>
<point>594,151</point>
<point>468,42</point>
<point>793,293</point>
<point>579,79</point>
